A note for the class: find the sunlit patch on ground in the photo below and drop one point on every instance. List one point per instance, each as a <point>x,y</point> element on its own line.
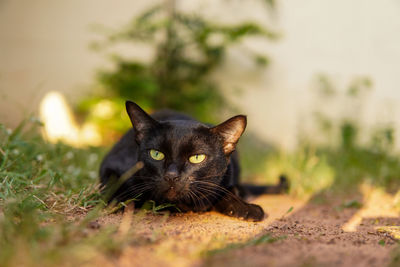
<point>393,231</point>
<point>184,239</point>
<point>376,203</point>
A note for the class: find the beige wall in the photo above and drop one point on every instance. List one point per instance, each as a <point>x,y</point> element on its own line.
<point>44,46</point>
<point>342,39</point>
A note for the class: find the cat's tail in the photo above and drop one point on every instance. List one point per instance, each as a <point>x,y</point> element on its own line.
<point>256,190</point>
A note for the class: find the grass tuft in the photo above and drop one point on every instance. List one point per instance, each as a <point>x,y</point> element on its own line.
<point>47,197</point>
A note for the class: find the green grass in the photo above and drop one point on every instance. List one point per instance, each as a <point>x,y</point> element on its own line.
<point>41,185</point>
<point>41,173</point>
<point>49,197</point>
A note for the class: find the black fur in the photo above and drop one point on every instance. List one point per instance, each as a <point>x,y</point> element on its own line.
<point>211,184</point>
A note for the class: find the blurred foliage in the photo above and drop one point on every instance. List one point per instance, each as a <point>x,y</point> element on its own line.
<point>188,48</point>
<point>339,156</point>
<point>263,239</point>
<point>395,260</point>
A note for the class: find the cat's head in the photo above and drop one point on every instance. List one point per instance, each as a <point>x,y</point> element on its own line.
<point>183,156</point>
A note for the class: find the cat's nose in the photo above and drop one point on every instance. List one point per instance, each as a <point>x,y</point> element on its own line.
<point>171,174</point>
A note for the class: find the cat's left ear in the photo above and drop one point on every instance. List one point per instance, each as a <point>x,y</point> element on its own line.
<point>230,131</point>
<point>141,121</point>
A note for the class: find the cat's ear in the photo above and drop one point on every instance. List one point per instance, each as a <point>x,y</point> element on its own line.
<point>230,131</point>
<point>141,121</point>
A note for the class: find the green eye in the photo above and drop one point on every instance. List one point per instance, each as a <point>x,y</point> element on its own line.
<point>197,158</point>
<point>157,155</point>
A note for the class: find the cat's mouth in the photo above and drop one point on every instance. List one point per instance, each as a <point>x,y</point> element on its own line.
<point>171,193</point>
<point>174,191</point>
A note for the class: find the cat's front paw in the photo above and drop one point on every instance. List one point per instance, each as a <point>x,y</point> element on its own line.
<point>248,212</point>
<point>255,213</point>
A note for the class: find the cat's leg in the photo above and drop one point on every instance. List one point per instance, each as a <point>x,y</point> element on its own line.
<point>232,205</point>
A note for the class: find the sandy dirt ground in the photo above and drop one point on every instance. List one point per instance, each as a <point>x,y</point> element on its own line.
<point>306,235</point>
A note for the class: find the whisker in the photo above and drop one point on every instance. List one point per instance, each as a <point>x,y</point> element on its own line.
<point>216,194</point>
<point>134,190</point>
<point>213,193</point>
<point>204,197</point>
<point>226,191</point>
<point>193,197</point>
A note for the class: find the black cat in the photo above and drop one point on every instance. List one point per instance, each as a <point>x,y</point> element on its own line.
<point>186,163</point>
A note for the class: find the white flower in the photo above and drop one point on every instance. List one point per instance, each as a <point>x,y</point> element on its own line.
<point>69,155</point>
<point>71,168</point>
<point>93,158</point>
<point>93,174</point>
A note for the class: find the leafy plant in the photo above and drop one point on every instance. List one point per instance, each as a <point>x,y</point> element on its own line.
<point>187,49</point>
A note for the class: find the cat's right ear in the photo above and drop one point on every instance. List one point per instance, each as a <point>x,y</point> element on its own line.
<point>141,121</point>
<point>230,131</point>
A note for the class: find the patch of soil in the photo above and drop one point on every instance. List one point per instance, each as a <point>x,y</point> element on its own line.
<point>309,234</point>
<point>314,237</point>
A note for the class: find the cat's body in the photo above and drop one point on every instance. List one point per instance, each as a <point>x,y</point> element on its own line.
<point>185,163</point>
